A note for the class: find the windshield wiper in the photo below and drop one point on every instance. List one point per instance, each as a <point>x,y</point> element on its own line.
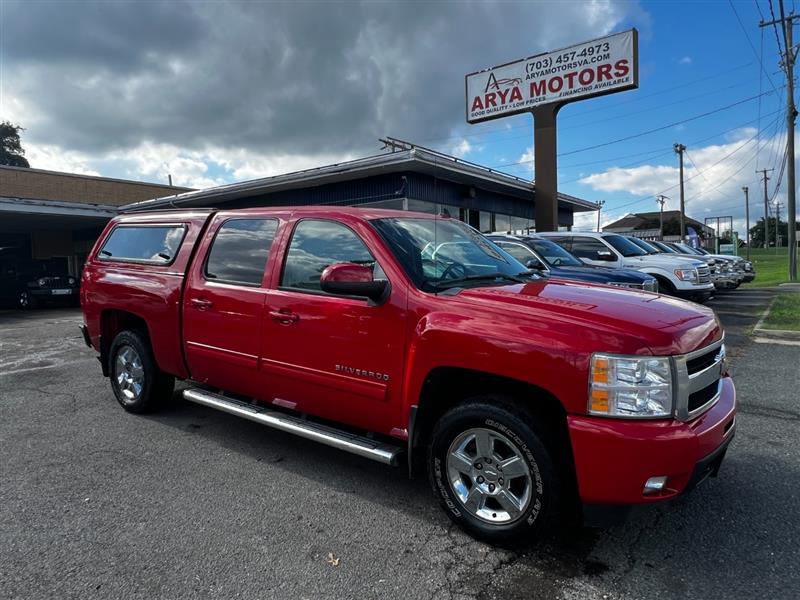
<point>518,278</point>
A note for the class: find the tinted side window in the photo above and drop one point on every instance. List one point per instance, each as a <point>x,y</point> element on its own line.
<point>519,251</point>
<point>587,247</point>
<point>240,250</point>
<point>147,243</point>
<point>316,245</point>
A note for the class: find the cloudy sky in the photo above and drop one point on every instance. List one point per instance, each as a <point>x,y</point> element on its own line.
<point>214,92</point>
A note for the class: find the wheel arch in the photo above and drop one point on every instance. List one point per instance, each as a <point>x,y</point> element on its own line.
<point>112,322</point>
<point>446,387</point>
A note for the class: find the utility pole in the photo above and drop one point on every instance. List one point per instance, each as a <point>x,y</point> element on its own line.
<point>766,206</point>
<point>661,198</point>
<point>600,204</point>
<point>789,57</point>
<point>747,219</point>
<point>777,224</point>
<point>680,149</point>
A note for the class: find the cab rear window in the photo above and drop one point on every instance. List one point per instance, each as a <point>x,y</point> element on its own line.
<point>157,244</point>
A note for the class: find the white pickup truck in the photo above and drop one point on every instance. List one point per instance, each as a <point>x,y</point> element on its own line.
<point>677,276</point>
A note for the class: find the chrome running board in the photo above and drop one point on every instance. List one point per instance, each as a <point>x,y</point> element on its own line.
<point>343,440</point>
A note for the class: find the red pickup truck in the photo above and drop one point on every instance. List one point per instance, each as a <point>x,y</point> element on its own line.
<point>395,334</point>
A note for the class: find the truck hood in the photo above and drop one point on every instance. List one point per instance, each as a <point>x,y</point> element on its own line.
<point>664,325</point>
<point>671,262</point>
<point>599,274</point>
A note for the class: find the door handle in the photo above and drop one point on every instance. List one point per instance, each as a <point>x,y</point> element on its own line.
<point>284,316</point>
<point>201,303</point>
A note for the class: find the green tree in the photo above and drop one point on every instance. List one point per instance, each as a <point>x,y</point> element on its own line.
<point>11,151</point>
<point>757,232</point>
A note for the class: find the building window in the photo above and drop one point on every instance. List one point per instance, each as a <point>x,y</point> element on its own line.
<point>502,223</point>
<point>486,222</point>
<point>521,225</point>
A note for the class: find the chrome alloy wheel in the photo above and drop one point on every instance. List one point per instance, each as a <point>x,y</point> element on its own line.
<point>129,373</point>
<point>489,475</point>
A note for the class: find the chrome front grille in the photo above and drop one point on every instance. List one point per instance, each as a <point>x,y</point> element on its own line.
<point>698,377</point>
<point>703,274</point>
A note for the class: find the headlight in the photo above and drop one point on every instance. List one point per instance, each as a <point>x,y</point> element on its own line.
<point>41,282</point>
<point>71,280</point>
<point>630,386</point>
<point>686,274</point>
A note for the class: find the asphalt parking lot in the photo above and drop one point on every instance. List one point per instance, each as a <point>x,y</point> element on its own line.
<point>97,503</point>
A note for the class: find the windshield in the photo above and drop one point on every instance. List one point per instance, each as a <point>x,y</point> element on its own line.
<point>663,247</point>
<point>624,246</point>
<point>554,255</point>
<point>646,246</point>
<point>442,253</point>
<point>687,249</point>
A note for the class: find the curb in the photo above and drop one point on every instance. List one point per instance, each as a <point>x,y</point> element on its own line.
<point>774,334</point>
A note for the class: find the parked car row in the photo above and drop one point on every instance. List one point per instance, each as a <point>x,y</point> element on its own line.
<point>626,261</point>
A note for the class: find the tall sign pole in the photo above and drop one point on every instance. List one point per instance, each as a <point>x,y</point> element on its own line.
<point>545,148</point>
<point>789,58</point>
<point>542,85</point>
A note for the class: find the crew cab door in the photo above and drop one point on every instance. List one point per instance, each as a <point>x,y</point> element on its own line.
<point>223,303</point>
<point>337,357</point>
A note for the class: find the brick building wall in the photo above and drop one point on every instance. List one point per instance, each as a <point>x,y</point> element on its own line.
<point>38,184</point>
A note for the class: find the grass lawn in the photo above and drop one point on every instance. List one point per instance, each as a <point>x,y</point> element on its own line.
<point>784,313</point>
<point>771,265</point>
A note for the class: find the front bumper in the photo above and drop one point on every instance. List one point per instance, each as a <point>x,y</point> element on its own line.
<point>749,276</point>
<point>723,282</point>
<point>615,457</point>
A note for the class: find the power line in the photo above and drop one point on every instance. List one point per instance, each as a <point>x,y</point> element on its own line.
<point>744,31</point>
<point>663,127</point>
<point>660,152</point>
<point>775,27</point>
<point>737,149</point>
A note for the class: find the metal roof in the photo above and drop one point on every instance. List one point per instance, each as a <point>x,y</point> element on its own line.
<point>414,159</point>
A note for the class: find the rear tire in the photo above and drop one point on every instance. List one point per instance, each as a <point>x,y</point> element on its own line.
<point>138,384</point>
<point>491,471</point>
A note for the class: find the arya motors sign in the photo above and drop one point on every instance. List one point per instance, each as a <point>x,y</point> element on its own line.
<point>602,66</point>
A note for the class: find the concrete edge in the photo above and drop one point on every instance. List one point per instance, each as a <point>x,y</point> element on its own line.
<point>773,334</point>
<point>777,334</point>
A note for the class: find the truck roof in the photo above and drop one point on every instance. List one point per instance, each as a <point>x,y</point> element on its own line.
<point>363,213</point>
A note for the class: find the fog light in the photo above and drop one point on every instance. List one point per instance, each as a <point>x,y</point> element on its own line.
<point>654,485</point>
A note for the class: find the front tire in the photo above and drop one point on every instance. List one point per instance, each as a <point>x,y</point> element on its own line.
<point>26,300</point>
<point>491,471</point>
<point>138,384</point>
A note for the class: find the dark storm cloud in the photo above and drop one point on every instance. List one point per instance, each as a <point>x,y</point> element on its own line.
<point>299,77</point>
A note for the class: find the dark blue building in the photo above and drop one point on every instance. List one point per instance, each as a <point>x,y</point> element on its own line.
<point>412,179</point>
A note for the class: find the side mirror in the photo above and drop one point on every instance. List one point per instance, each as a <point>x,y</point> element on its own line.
<point>606,255</point>
<point>534,264</point>
<point>350,279</point>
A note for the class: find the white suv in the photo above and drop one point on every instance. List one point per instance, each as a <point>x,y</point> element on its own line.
<point>677,276</point>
